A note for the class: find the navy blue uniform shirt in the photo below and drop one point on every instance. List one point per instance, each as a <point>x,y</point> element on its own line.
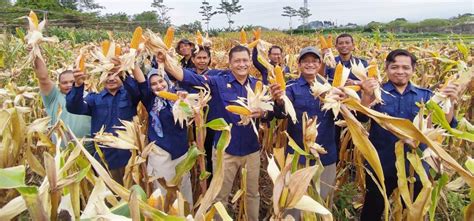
<point>330,71</point>
<point>106,109</point>
<point>262,69</point>
<point>224,91</point>
<point>174,139</point>
<point>299,93</point>
<point>401,106</point>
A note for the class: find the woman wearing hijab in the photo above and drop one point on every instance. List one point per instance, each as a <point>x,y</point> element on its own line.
<point>170,138</point>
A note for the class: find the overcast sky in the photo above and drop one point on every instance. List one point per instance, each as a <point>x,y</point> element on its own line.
<point>267,13</point>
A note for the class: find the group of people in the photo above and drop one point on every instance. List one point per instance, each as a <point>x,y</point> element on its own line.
<point>86,113</point>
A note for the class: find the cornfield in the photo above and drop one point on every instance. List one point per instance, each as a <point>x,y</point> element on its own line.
<point>43,180</point>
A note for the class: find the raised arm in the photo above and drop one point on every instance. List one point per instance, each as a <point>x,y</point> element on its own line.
<point>171,67</point>
<point>138,74</point>
<point>259,66</point>
<point>41,72</point>
<point>75,102</point>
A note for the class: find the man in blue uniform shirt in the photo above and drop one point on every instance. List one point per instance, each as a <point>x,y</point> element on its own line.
<point>106,108</point>
<point>243,149</point>
<point>275,54</point>
<point>299,93</point>
<point>345,47</point>
<point>400,102</point>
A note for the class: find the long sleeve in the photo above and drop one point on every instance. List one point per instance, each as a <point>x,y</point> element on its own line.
<point>192,79</point>
<point>75,102</point>
<point>131,86</point>
<point>147,95</point>
<point>259,66</point>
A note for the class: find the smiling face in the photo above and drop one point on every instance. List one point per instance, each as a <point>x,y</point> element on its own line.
<point>113,82</point>
<point>309,65</point>
<point>344,45</point>
<point>239,63</point>
<point>184,49</point>
<point>399,71</point>
<point>158,83</point>
<point>275,56</point>
<point>201,60</point>
<point>66,80</point>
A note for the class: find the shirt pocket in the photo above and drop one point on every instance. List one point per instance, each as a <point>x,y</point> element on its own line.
<point>101,111</point>
<point>228,98</point>
<point>126,109</point>
<point>300,101</point>
<point>389,108</point>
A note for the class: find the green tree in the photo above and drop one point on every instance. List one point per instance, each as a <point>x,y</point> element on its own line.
<point>146,16</point>
<point>191,27</point>
<point>434,22</point>
<point>5,3</point>
<point>229,9</point>
<point>397,24</point>
<point>290,12</point>
<point>303,13</point>
<point>207,13</point>
<point>43,5</point>
<point>162,10</point>
<point>121,16</point>
<point>88,5</point>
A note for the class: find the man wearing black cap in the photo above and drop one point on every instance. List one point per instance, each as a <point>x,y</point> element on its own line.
<point>299,93</point>
<point>184,48</point>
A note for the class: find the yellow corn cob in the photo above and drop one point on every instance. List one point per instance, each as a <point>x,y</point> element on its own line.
<point>257,33</point>
<point>243,37</point>
<point>199,38</point>
<point>137,35</point>
<point>354,87</point>
<point>238,110</point>
<point>155,202</point>
<point>372,72</point>
<point>168,95</point>
<point>258,87</point>
<point>34,18</point>
<point>169,37</point>
<point>337,76</point>
<point>280,79</point>
<point>252,44</point>
<point>152,201</point>
<point>105,47</point>
<point>271,80</point>
<point>323,42</point>
<point>82,63</point>
<point>118,50</point>
<point>329,41</point>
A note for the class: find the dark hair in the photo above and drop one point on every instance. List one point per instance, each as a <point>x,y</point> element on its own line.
<point>344,35</point>
<point>238,48</point>
<point>195,51</point>
<point>400,52</point>
<point>274,47</point>
<point>64,72</point>
<point>184,41</point>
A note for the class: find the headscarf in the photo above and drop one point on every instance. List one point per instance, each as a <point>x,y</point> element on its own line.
<point>158,104</point>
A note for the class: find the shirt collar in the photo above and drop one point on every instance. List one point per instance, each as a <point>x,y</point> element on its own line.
<point>232,78</point>
<point>301,81</point>
<point>204,72</point>
<point>390,88</point>
<point>104,92</point>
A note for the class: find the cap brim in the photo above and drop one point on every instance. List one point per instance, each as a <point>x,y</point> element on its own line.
<point>309,52</point>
